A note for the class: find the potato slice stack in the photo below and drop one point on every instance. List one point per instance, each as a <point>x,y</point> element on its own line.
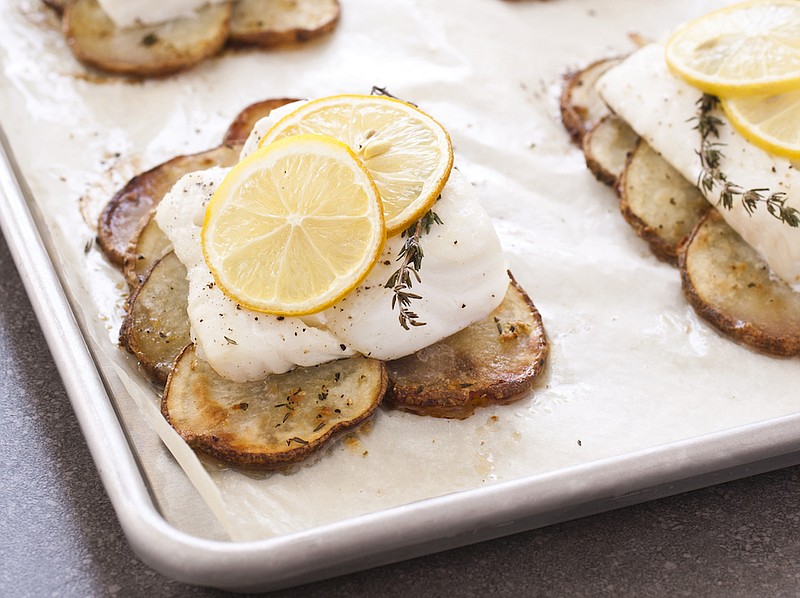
<point>723,279</point>
<point>494,361</point>
<point>171,46</point>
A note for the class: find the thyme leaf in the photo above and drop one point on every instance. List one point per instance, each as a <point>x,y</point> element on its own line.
<point>711,175</point>
<point>410,258</point>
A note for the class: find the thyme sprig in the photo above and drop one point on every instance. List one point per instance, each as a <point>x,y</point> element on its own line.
<point>711,174</point>
<point>410,258</point>
<point>382,91</point>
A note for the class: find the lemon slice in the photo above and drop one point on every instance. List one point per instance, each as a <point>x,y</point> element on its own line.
<point>770,122</point>
<point>745,49</point>
<point>293,227</point>
<point>408,154</point>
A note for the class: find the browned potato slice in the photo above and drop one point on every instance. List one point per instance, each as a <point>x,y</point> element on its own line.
<point>606,147</point>
<point>244,122</point>
<point>493,361</point>
<point>149,246</point>
<point>272,422</point>
<point>273,22</point>
<point>148,50</point>
<point>729,285</point>
<point>156,327</point>
<point>660,205</point>
<point>129,210</point>
<point>57,5</point>
<point>581,106</point>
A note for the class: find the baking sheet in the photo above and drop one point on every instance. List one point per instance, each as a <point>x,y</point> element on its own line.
<point>638,393</point>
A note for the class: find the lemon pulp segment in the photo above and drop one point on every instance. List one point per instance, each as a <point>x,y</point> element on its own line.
<point>293,227</point>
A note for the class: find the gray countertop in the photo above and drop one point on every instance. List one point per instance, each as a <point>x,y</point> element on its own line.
<point>60,535</point>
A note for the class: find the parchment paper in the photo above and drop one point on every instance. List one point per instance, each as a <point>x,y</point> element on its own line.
<point>631,366</point>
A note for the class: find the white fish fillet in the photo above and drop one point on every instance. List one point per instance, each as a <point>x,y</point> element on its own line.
<point>659,107</point>
<point>464,277</point>
<point>127,13</point>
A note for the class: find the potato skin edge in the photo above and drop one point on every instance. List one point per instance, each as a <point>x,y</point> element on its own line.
<point>461,403</point>
<point>746,333</point>
<point>176,63</point>
<point>137,198</point>
<point>241,126</point>
<point>127,338</point>
<point>573,116</point>
<point>271,39</point>
<point>214,447</point>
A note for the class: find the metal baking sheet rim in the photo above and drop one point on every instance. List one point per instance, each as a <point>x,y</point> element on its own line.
<point>371,540</point>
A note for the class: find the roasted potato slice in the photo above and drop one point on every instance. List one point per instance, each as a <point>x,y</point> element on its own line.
<point>273,422</point>
<point>156,327</point>
<point>57,5</point>
<point>730,286</point>
<point>129,210</point>
<point>147,50</point>
<point>244,122</point>
<point>581,106</point>
<point>149,246</point>
<point>658,202</point>
<point>493,361</point>
<point>268,23</point>
<point>606,147</point>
